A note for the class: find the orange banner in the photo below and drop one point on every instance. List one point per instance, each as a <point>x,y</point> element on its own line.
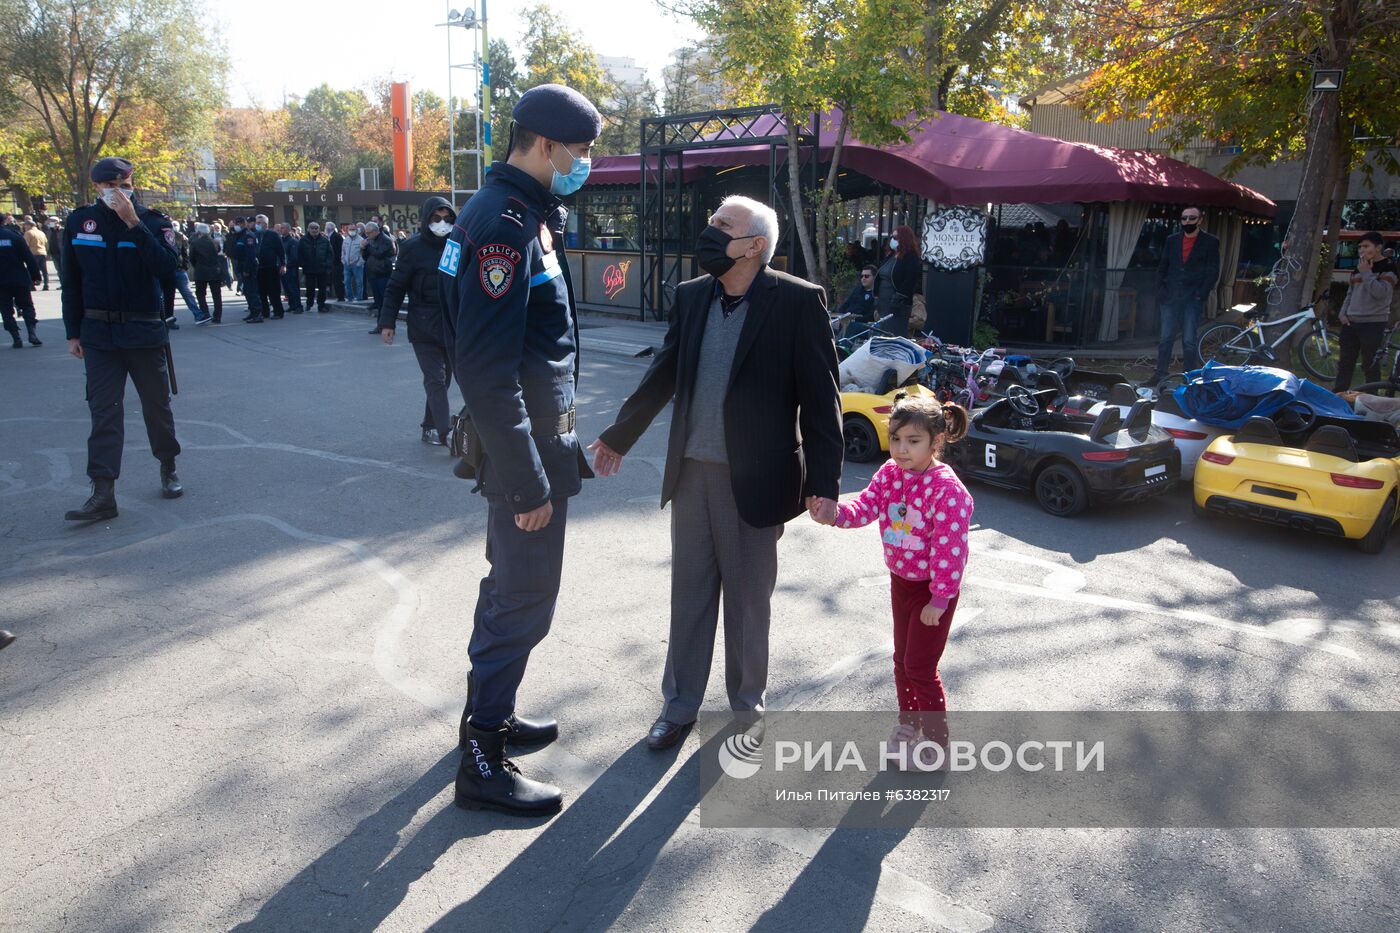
<point>403,136</point>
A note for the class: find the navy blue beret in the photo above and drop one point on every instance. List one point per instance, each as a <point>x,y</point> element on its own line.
<point>558,113</point>
<point>112,168</point>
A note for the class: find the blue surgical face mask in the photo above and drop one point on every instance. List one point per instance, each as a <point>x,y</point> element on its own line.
<point>261,228</point>
<point>565,185</point>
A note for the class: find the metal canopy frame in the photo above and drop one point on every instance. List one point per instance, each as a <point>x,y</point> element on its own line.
<point>664,211</point>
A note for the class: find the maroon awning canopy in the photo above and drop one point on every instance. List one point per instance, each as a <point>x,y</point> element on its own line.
<point>952,159</point>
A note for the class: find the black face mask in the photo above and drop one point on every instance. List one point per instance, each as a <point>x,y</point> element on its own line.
<point>710,251</point>
<point>1189,228</point>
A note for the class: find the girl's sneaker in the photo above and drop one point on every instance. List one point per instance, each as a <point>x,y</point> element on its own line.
<point>897,747</point>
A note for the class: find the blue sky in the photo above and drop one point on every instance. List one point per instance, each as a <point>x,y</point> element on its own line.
<point>279,45</point>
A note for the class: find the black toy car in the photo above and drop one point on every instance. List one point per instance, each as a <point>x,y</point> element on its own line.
<point>1029,441</point>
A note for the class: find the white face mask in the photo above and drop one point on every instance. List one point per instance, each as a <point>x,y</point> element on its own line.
<point>113,196</point>
<point>440,227</point>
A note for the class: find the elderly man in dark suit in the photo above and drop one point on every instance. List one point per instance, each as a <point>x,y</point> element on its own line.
<point>755,438</point>
<point>1188,270</point>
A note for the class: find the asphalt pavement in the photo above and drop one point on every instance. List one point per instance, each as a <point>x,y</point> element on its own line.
<point>238,710</point>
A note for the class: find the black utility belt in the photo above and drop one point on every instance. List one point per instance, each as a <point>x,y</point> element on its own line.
<point>122,317</point>
<point>564,424</point>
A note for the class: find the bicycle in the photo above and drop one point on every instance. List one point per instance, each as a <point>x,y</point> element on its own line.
<point>1390,386</point>
<point>850,341</point>
<point>1233,345</point>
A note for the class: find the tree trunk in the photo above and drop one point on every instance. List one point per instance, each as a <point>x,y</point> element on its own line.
<point>1341,185</point>
<point>21,194</point>
<point>1312,192</point>
<point>824,203</point>
<point>799,219</point>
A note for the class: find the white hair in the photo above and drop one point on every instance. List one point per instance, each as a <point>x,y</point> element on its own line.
<point>201,229</point>
<point>763,222</point>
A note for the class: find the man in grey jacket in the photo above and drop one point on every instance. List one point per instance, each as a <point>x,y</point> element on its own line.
<point>353,261</point>
<point>1366,311</point>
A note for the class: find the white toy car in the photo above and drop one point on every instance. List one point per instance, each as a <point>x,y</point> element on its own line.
<point>1191,437</point>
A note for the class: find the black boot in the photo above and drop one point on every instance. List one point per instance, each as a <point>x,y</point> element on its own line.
<point>18,344</point>
<point>102,504</point>
<point>488,780</point>
<point>170,486</point>
<point>34,340</point>
<point>520,733</point>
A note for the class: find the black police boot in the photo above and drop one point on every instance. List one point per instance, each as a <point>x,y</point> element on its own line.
<point>520,733</point>
<point>170,486</point>
<point>18,344</point>
<point>102,504</point>
<point>488,780</point>
<point>34,340</point>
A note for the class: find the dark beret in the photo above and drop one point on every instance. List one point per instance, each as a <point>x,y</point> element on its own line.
<point>111,168</point>
<point>558,113</point>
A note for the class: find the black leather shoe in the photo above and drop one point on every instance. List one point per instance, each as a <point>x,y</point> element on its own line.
<point>18,344</point>
<point>102,504</point>
<point>170,486</point>
<point>170,323</point>
<point>488,780</point>
<point>374,330</point>
<point>298,310</point>
<point>431,436</point>
<point>5,639</point>
<point>665,733</point>
<point>520,733</point>
<point>254,320</point>
<point>34,340</point>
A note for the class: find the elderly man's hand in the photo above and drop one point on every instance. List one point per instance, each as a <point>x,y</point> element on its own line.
<point>535,519</point>
<point>606,461</point>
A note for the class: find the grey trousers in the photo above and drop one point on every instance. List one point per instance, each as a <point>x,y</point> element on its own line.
<point>714,552</point>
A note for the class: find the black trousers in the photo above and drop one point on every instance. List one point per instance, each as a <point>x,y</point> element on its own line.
<point>338,281</point>
<point>12,298</point>
<point>1359,342</point>
<point>514,605</point>
<point>200,291</point>
<point>269,290</point>
<point>107,371</point>
<point>316,290</point>
<point>437,376</point>
<point>249,281</point>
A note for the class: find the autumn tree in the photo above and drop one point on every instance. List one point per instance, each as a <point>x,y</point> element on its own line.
<point>88,72</point>
<point>1239,72</point>
<point>253,151</point>
<point>861,60</point>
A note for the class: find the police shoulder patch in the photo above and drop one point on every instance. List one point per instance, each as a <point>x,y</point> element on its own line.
<point>497,262</point>
<point>170,235</point>
<point>451,258</point>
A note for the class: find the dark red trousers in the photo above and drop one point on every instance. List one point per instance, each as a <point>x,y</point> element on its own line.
<point>917,651</point>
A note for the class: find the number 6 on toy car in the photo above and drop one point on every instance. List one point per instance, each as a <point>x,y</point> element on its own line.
<point>990,456</point>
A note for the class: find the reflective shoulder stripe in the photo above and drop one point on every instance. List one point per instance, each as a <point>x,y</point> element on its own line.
<point>539,278</point>
<point>126,244</point>
<point>91,243</point>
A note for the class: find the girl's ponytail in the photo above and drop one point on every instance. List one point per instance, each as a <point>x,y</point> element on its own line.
<point>955,419</point>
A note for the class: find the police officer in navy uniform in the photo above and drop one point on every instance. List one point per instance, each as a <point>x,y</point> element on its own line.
<point>272,265</point>
<point>20,271</point>
<point>513,337</point>
<point>116,253</point>
<point>242,247</point>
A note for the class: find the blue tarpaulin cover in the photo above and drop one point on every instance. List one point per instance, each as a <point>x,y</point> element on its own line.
<point>1228,396</point>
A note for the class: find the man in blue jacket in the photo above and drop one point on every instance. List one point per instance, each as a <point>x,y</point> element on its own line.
<point>116,253</point>
<point>1188,270</point>
<point>20,271</point>
<point>509,319</point>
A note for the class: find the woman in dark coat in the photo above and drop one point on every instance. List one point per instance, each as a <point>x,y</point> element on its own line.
<point>897,281</point>
<point>207,269</point>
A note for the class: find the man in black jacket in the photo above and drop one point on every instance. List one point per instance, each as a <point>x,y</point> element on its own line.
<point>755,438</point>
<point>315,254</point>
<point>291,253</point>
<point>1188,270</point>
<point>272,264</point>
<point>337,273</point>
<point>416,275</point>
<point>19,273</point>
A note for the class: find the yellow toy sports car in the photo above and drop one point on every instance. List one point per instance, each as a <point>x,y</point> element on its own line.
<point>866,421</point>
<point>1331,476</point>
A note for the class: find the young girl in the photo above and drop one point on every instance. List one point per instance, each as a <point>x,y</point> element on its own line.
<point>924,511</point>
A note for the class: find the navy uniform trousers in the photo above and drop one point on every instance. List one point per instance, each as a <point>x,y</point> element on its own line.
<point>12,299</point>
<point>107,371</point>
<point>515,605</point>
<point>251,293</point>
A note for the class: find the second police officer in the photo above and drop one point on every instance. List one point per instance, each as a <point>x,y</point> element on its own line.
<point>243,244</point>
<point>511,328</point>
<point>116,253</point>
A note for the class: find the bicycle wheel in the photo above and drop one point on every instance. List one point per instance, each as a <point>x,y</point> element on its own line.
<point>1226,344</point>
<point>1390,389</point>
<point>1317,352</point>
